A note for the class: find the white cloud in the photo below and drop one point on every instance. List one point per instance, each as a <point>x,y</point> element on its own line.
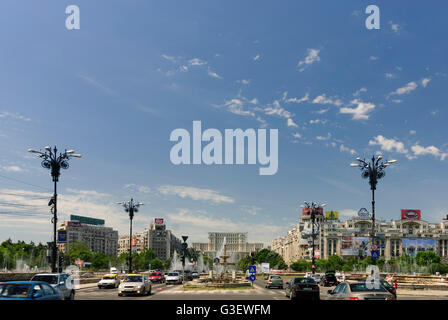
<point>297,135</point>
<point>397,100</point>
<point>418,150</point>
<point>236,106</point>
<point>278,110</point>
<point>348,213</point>
<point>195,193</point>
<point>411,86</point>
<point>312,56</point>
<point>257,57</point>
<point>12,169</point>
<point>243,81</point>
<point>95,83</point>
<point>183,68</point>
<point>357,93</point>
<point>373,58</point>
<point>425,82</point>
<point>388,144</point>
<point>169,58</point>
<point>388,75</point>
<point>322,111</point>
<point>138,188</point>
<point>361,112</point>
<point>322,99</point>
<point>214,75</point>
<point>316,121</point>
<point>343,148</point>
<point>412,132</point>
<point>196,62</point>
<point>395,27</point>
<point>295,100</point>
<point>324,138</point>
<point>15,116</point>
<point>291,123</point>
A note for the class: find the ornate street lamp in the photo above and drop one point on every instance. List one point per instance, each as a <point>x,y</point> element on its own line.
<point>314,209</point>
<point>53,161</point>
<point>374,171</point>
<point>131,207</point>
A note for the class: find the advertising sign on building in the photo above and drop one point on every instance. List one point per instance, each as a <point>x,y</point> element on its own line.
<point>411,214</point>
<point>332,215</point>
<point>414,246</point>
<point>307,211</point>
<point>317,254</point>
<point>73,224</point>
<point>134,241</point>
<point>363,213</point>
<point>354,246</point>
<point>158,221</point>
<point>79,263</point>
<point>265,268</point>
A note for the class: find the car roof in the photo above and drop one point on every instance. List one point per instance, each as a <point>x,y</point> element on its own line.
<point>110,275</point>
<point>50,274</point>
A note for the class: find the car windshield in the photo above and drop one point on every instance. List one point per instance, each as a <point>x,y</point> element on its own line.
<point>304,281</point>
<point>276,277</point>
<point>15,290</point>
<point>48,278</point>
<point>173,274</point>
<point>155,274</point>
<point>133,279</point>
<point>362,287</point>
<point>386,284</point>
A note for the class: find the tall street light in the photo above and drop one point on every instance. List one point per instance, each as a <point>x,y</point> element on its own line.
<point>314,209</point>
<point>53,161</point>
<point>183,255</point>
<point>374,171</point>
<point>131,207</point>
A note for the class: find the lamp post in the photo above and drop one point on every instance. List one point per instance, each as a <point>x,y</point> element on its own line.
<point>131,207</point>
<point>53,161</point>
<point>183,256</point>
<point>374,171</point>
<point>314,208</point>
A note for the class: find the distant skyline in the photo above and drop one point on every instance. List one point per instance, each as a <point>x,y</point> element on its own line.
<point>116,88</point>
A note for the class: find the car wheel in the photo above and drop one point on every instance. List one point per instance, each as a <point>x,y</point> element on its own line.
<point>291,297</point>
<point>150,289</point>
<point>120,295</point>
<point>71,296</point>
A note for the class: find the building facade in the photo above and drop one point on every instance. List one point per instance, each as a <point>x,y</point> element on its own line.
<point>351,238</point>
<point>90,231</point>
<point>236,243</point>
<point>162,241</point>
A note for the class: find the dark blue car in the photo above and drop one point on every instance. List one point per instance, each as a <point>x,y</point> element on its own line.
<point>28,290</point>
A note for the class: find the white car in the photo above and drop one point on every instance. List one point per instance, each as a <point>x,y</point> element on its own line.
<point>173,278</point>
<point>135,284</point>
<point>109,281</point>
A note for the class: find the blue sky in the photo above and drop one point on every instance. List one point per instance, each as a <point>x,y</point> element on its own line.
<point>136,70</point>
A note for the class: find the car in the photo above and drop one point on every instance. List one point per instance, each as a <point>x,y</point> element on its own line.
<point>113,270</point>
<point>302,288</point>
<point>317,277</point>
<point>329,279</point>
<point>156,277</point>
<point>28,290</point>
<point>62,282</point>
<point>187,275</point>
<point>173,278</point>
<point>109,281</point>
<point>135,284</point>
<point>274,281</point>
<point>359,291</point>
<point>195,275</point>
<point>180,272</point>
<point>389,288</point>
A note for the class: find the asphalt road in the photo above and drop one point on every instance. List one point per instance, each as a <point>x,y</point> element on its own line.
<point>176,292</point>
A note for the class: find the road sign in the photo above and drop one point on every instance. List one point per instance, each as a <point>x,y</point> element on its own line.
<point>375,254</point>
<point>363,213</point>
<point>62,235</point>
<point>216,260</point>
<point>252,277</point>
<point>252,269</point>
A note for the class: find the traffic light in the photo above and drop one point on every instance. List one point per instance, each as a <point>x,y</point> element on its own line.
<point>182,258</point>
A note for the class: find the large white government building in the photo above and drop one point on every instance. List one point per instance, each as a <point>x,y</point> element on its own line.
<point>237,245</point>
<point>409,234</point>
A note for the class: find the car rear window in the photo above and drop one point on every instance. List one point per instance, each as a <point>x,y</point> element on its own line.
<point>276,277</point>
<point>51,279</point>
<point>155,274</point>
<point>173,274</point>
<point>362,287</point>
<point>304,281</point>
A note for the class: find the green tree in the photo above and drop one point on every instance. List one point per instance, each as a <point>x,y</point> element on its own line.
<point>79,250</point>
<point>425,258</point>
<point>100,261</point>
<point>156,263</point>
<point>301,265</point>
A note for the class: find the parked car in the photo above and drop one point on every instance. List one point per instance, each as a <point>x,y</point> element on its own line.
<point>173,278</point>
<point>157,277</point>
<point>317,277</point>
<point>302,288</point>
<point>135,284</point>
<point>329,279</point>
<point>62,282</point>
<point>274,281</point>
<point>359,291</point>
<point>109,281</point>
<point>195,275</point>
<point>180,272</point>
<point>187,275</point>
<point>28,290</point>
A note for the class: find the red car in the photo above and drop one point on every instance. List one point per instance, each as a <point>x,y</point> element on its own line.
<point>156,277</point>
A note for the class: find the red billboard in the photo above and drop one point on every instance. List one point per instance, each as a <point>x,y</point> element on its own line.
<point>158,220</point>
<point>411,214</point>
<point>307,211</point>
<point>73,224</point>
<point>134,241</point>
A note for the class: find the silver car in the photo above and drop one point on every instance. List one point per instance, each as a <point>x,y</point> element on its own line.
<point>359,291</point>
<point>62,282</point>
<point>135,284</point>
